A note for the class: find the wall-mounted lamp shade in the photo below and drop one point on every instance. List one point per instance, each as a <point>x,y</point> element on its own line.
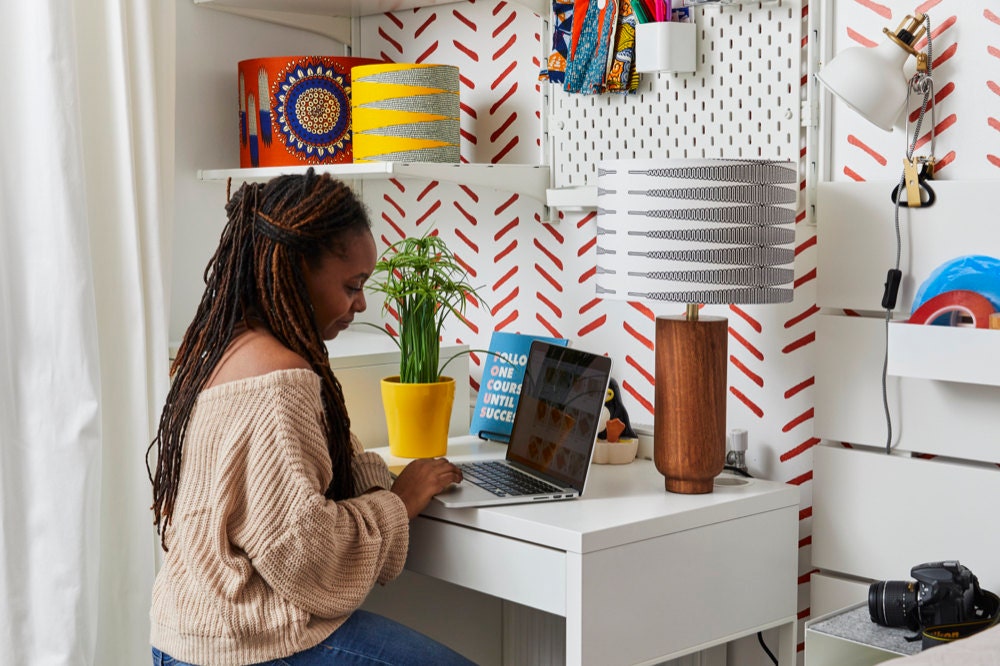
<point>871,80</point>
<point>694,231</point>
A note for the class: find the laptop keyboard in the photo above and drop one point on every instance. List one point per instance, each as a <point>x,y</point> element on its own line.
<point>503,480</point>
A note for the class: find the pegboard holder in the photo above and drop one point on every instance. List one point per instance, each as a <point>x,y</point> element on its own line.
<point>744,99</point>
<point>666,46</point>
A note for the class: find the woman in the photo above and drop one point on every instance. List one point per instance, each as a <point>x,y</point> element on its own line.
<point>275,524</point>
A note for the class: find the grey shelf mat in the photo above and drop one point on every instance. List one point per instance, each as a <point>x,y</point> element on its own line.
<point>856,625</point>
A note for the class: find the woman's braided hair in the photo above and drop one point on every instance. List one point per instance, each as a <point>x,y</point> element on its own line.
<point>273,231</point>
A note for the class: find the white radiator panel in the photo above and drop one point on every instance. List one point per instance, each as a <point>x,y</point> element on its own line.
<point>942,418</point>
<point>876,516</point>
<point>857,243</point>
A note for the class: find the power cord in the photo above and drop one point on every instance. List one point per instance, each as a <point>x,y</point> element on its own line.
<point>922,83</point>
<point>760,639</point>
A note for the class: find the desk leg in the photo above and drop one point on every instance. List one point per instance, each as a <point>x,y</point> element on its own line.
<point>575,634</point>
<point>531,636</point>
<point>787,649</point>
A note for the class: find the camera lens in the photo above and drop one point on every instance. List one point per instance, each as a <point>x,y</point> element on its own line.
<point>893,603</point>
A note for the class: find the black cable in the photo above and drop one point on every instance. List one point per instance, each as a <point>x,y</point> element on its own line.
<point>926,88</point>
<point>760,639</point>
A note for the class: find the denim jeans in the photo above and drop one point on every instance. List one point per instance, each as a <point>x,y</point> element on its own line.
<point>365,639</point>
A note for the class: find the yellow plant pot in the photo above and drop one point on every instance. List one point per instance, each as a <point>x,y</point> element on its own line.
<point>418,416</point>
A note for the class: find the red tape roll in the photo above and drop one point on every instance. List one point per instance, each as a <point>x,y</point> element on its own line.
<point>955,303</point>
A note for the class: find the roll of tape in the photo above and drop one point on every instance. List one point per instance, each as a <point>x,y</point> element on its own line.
<point>296,110</point>
<point>945,308</point>
<point>975,272</point>
<point>404,112</point>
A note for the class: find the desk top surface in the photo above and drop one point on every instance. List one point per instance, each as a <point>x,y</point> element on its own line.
<point>620,504</point>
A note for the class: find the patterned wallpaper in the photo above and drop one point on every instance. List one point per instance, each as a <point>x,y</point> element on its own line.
<point>538,275</point>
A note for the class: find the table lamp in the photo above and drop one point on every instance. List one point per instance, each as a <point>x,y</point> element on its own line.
<point>694,231</point>
<point>871,80</point>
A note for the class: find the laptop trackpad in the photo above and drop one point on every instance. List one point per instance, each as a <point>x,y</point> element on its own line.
<point>463,494</point>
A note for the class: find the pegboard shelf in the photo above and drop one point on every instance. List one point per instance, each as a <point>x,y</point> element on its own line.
<point>571,198</point>
<point>528,179</point>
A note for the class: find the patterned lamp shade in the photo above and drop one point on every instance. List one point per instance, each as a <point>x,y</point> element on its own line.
<point>296,110</point>
<point>406,112</point>
<point>694,231</point>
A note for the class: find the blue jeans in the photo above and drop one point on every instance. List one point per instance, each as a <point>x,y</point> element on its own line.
<point>365,639</point>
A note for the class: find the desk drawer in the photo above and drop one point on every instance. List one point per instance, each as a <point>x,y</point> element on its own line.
<point>514,570</point>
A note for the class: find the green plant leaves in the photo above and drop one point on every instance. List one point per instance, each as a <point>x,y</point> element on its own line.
<point>423,283</point>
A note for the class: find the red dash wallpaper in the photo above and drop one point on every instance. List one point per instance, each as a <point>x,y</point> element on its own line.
<point>538,273</point>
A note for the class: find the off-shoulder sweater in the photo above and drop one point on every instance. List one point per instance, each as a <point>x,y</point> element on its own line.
<point>260,564</point>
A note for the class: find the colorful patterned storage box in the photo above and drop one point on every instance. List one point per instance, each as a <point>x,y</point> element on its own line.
<point>296,110</point>
<point>406,112</point>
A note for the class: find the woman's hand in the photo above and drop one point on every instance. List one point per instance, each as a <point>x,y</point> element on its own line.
<point>421,480</point>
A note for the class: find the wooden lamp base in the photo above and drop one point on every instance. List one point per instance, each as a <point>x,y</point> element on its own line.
<point>689,428</point>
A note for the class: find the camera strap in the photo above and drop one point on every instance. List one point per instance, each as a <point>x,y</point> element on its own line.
<point>987,607</point>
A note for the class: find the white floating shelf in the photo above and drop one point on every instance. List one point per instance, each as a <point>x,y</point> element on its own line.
<point>528,179</point>
<point>946,353</point>
<point>352,7</point>
<point>332,18</point>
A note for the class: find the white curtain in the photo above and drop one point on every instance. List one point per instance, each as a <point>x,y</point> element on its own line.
<point>85,161</point>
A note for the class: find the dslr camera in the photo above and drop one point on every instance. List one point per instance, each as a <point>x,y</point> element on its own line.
<point>943,593</point>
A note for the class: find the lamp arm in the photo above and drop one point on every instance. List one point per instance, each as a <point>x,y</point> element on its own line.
<point>910,30</point>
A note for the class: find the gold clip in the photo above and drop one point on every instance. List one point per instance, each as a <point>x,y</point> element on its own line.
<point>928,163</point>
<point>912,182</point>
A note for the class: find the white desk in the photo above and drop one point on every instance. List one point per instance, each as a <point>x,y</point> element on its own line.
<point>640,575</point>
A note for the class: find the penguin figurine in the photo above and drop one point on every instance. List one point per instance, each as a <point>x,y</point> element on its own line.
<point>616,410</point>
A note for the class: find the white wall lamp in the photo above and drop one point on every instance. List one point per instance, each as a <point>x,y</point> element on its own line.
<point>871,80</point>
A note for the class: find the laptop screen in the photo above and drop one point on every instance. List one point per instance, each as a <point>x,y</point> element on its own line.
<point>558,411</point>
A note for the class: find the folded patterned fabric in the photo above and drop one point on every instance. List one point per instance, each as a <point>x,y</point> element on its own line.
<point>590,46</point>
<point>562,26</point>
<point>622,75</point>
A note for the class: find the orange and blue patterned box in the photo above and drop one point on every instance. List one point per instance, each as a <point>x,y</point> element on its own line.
<point>296,110</point>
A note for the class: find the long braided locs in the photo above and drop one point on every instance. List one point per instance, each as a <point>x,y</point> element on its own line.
<point>274,230</point>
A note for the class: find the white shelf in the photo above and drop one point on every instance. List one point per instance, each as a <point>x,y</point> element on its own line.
<point>528,179</point>
<point>332,18</point>
<point>947,353</point>
<point>351,8</point>
<point>831,640</point>
<point>572,198</point>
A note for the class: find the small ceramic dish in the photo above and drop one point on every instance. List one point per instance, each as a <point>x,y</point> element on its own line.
<point>615,453</point>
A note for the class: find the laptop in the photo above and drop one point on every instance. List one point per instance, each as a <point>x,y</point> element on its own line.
<point>552,437</point>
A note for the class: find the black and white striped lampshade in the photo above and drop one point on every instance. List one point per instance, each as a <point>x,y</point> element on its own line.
<point>709,231</point>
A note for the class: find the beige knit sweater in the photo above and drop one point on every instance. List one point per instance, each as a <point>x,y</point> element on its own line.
<point>260,565</point>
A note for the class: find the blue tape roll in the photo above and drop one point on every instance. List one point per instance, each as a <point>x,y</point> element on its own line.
<point>974,272</point>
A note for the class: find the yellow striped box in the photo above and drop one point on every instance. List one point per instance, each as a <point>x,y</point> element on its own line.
<point>405,112</point>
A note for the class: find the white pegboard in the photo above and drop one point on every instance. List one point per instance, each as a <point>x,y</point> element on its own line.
<point>744,100</point>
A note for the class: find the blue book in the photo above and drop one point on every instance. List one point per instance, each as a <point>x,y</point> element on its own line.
<point>500,387</point>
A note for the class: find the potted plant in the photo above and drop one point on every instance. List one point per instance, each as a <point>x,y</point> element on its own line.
<point>423,284</point>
